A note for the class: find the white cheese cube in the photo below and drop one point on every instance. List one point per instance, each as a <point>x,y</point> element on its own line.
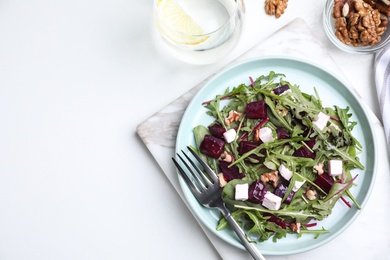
<point>285,92</point>
<point>285,172</point>
<point>335,167</point>
<point>241,191</point>
<point>230,135</point>
<point>265,135</point>
<point>321,121</point>
<point>271,201</point>
<point>297,185</point>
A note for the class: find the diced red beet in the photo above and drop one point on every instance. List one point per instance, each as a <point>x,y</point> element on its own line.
<point>281,89</point>
<point>246,146</point>
<point>212,146</point>
<point>311,142</point>
<point>256,110</point>
<point>324,181</point>
<point>282,133</point>
<point>217,130</point>
<point>257,191</point>
<point>230,173</point>
<point>281,190</point>
<point>277,221</point>
<point>306,152</point>
<point>289,197</point>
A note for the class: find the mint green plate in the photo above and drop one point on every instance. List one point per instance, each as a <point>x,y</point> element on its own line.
<point>332,91</point>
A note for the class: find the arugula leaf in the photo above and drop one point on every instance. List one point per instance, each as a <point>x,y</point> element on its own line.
<point>317,233</point>
<point>282,212</point>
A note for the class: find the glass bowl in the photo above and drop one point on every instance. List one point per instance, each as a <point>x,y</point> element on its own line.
<point>328,23</point>
<point>199,31</point>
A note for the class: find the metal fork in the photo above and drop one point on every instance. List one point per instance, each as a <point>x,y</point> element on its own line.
<point>208,193</point>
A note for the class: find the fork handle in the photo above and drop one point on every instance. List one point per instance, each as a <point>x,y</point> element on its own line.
<point>252,249</point>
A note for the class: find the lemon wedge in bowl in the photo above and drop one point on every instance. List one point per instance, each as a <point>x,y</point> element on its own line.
<point>175,23</point>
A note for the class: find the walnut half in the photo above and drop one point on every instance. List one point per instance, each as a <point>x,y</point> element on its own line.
<point>275,7</point>
<point>233,116</point>
<point>271,177</point>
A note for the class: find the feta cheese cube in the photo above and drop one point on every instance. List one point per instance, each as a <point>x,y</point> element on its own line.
<point>285,172</point>
<point>297,185</point>
<point>321,121</point>
<point>335,167</point>
<point>230,135</point>
<point>271,201</point>
<point>285,92</point>
<point>265,135</point>
<point>241,191</point>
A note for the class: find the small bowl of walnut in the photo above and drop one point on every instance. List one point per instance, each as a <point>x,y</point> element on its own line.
<point>357,26</point>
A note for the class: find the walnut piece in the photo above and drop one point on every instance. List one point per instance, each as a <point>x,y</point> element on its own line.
<point>383,6</point>
<point>222,181</point>
<point>275,7</point>
<point>311,194</point>
<point>282,112</point>
<point>272,177</point>
<point>386,2</point>
<point>256,137</point>
<point>227,157</point>
<point>296,227</point>
<point>360,22</point>
<point>319,168</point>
<point>232,117</point>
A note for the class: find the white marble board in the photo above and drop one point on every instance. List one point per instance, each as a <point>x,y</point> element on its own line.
<point>293,40</point>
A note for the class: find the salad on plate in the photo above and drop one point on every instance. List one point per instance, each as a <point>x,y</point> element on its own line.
<point>283,160</point>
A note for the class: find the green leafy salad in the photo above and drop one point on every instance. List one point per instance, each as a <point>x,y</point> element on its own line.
<point>283,160</point>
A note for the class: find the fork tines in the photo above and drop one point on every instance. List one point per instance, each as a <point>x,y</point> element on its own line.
<point>204,185</point>
<point>195,177</point>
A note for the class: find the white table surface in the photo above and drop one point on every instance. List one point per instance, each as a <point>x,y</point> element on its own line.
<point>76,78</point>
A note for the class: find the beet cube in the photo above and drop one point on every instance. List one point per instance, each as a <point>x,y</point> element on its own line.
<point>246,146</point>
<point>289,197</point>
<point>311,142</point>
<point>257,191</point>
<point>324,181</point>
<point>281,190</point>
<point>217,130</point>
<point>304,152</point>
<point>282,133</point>
<point>256,110</point>
<point>212,146</point>
<point>230,173</point>
<point>281,89</point>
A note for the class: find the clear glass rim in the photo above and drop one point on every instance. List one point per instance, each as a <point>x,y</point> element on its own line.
<point>329,29</point>
<point>236,12</point>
